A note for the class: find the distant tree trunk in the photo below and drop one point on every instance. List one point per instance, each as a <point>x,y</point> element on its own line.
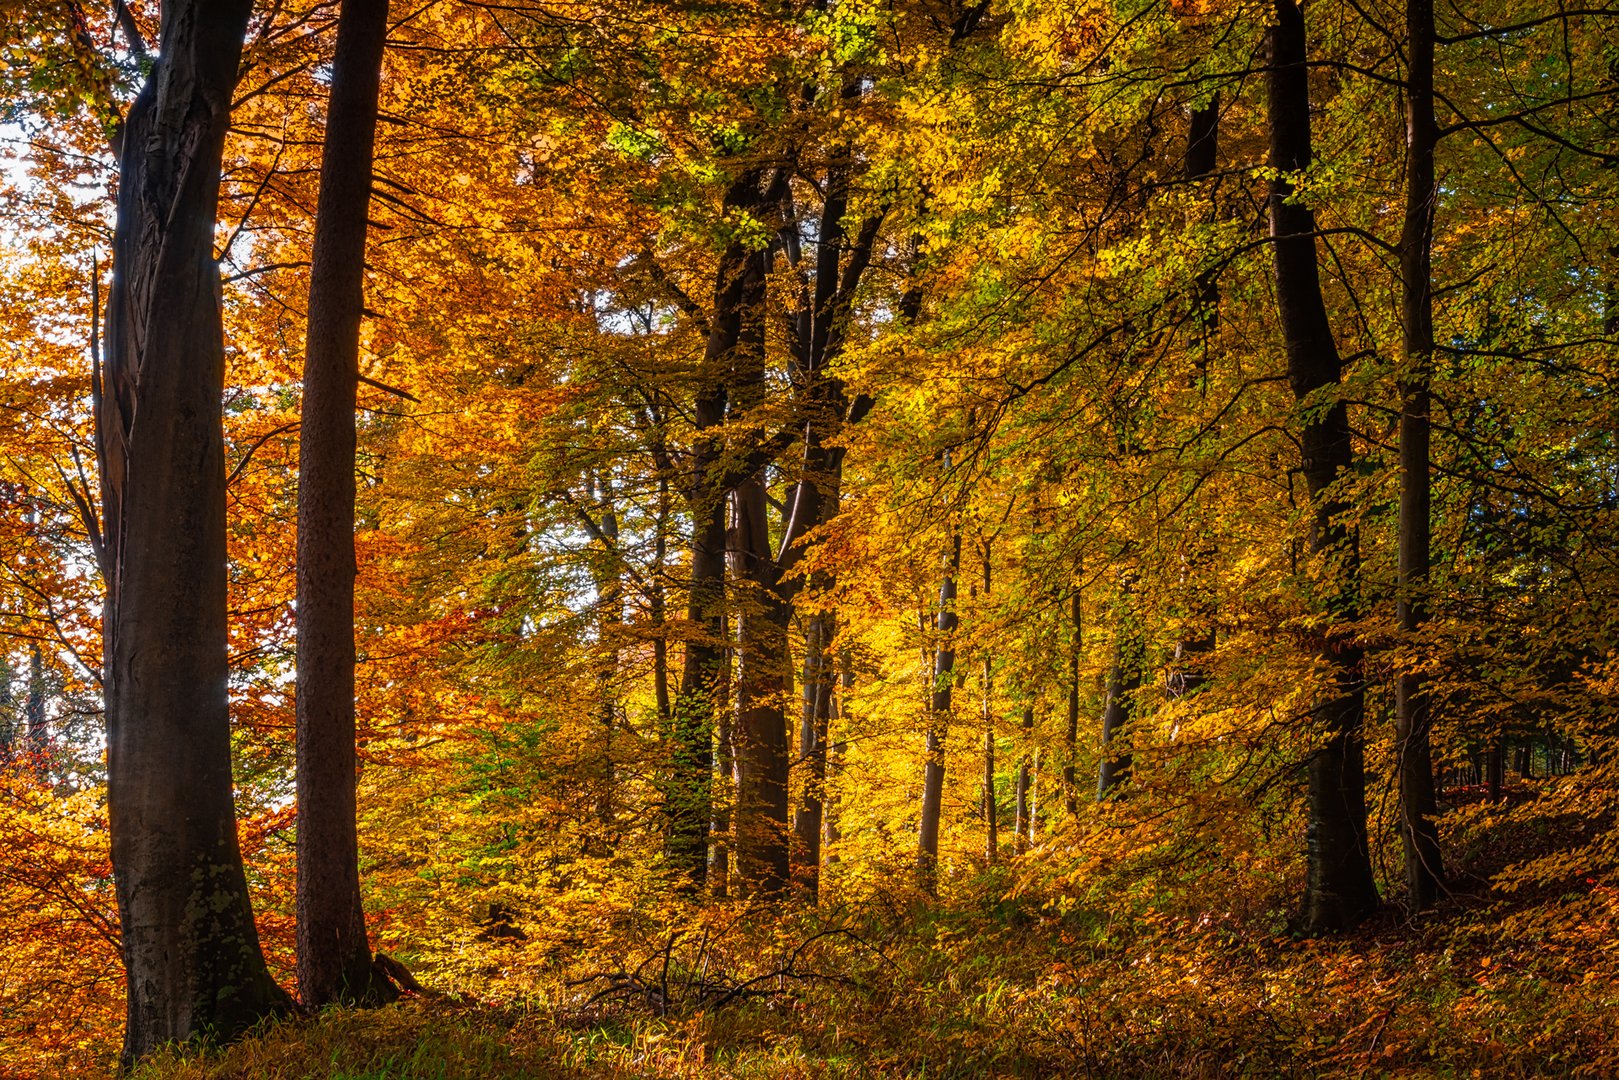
<point>38,725</point>
<point>1070,779</point>
<point>608,578</point>
<point>334,954</point>
<point>992,842</point>
<point>938,721</point>
<point>191,952</point>
<point>836,750</point>
<point>1424,870</point>
<point>1340,890</point>
<point>8,716</point>
<point>1022,830</point>
<point>722,802</point>
<point>1123,680</point>
<point>657,610</point>
<point>820,677</point>
<point>1523,759</point>
<point>1202,152</point>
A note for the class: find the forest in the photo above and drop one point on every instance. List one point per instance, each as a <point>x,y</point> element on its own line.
<point>809,538</point>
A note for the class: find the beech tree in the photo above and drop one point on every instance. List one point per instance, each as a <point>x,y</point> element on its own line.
<point>191,950</point>
<point>1341,891</point>
<point>334,955</point>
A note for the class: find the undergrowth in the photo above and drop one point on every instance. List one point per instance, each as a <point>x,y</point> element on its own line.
<point>1000,980</point>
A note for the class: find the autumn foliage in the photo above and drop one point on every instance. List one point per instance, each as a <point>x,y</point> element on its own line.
<point>981,360</point>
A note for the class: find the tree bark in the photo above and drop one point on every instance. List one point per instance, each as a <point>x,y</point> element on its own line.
<point>1340,890</point>
<point>761,733</point>
<point>334,954</point>
<point>1189,672</point>
<point>1070,779</point>
<point>1021,826</point>
<point>820,677</point>
<point>938,722</point>
<point>992,841</point>
<point>1424,870</point>
<point>688,795</point>
<point>1123,680</point>
<point>190,948</point>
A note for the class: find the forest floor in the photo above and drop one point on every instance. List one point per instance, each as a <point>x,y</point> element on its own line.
<point>1496,983</point>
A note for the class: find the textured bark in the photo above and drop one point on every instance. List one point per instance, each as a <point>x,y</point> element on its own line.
<point>938,722</point>
<point>334,954</point>
<point>1340,890</point>
<point>191,952</point>
<point>761,731</point>
<point>1424,871</point>
<point>1123,680</point>
<point>38,726</point>
<point>688,788</point>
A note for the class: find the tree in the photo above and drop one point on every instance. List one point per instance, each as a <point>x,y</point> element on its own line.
<point>1424,870</point>
<point>334,954</point>
<point>1340,891</point>
<point>191,950</point>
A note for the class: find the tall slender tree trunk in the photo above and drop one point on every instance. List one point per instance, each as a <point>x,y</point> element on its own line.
<point>334,955</point>
<point>191,951</point>
<point>1424,871</point>
<point>820,678</point>
<point>608,578</point>
<point>1070,779</point>
<point>1340,890</point>
<point>38,724</point>
<point>1021,821</point>
<point>1191,652</point>
<point>992,840</point>
<point>938,722</point>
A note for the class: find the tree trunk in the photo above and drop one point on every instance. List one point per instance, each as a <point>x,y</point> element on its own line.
<point>1340,890</point>
<point>819,679</point>
<point>191,951</point>
<point>608,578</point>
<point>1070,779</point>
<point>334,955</point>
<point>1123,680</point>
<point>38,727</point>
<point>938,723</point>
<point>1189,672</point>
<point>687,798</point>
<point>1424,872</point>
<point>761,731</point>
<point>1021,828</point>
<point>992,841</point>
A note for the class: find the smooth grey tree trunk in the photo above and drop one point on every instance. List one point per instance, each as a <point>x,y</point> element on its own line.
<point>334,954</point>
<point>191,950</point>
